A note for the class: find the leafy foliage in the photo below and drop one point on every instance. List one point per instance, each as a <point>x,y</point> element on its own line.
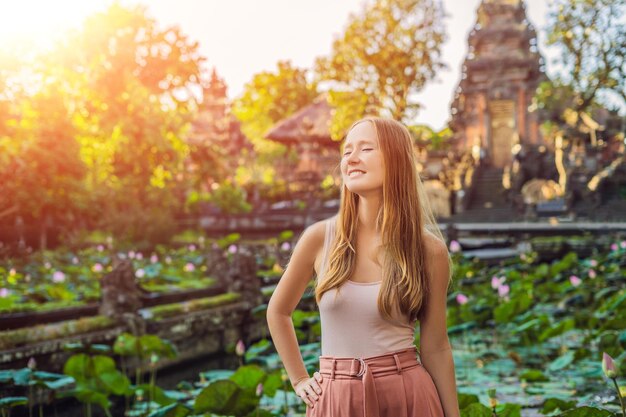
<point>387,53</point>
<point>99,126</point>
<point>592,38</point>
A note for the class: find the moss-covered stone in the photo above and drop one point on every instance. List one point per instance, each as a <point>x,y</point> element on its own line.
<point>29,335</point>
<point>38,307</point>
<point>174,309</point>
<point>179,286</point>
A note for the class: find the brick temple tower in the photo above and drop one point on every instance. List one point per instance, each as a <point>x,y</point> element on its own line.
<point>490,111</point>
<point>215,124</point>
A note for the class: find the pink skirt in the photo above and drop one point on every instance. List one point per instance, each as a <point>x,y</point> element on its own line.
<point>394,384</point>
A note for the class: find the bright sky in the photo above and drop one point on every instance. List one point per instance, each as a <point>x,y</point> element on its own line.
<point>243,37</point>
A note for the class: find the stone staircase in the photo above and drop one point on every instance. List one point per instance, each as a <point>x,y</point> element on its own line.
<point>488,191</point>
<point>487,201</point>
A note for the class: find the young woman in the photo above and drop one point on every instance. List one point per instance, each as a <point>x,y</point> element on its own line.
<point>382,265</point>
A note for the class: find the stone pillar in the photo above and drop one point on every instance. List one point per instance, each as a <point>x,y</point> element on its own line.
<point>121,296</point>
<point>242,276</point>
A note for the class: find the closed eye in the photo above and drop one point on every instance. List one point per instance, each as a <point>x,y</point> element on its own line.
<point>366,149</point>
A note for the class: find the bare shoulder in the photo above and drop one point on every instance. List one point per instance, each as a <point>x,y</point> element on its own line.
<point>436,249</point>
<point>434,245</point>
<point>313,235</point>
<point>316,234</point>
<point>437,261</point>
<point>299,270</point>
<point>317,230</point>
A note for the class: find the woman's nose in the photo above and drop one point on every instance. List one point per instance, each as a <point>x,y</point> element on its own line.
<point>353,156</point>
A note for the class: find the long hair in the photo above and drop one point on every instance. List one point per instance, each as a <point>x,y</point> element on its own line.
<point>403,218</point>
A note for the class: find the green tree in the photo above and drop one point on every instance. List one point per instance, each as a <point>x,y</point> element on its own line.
<point>268,98</point>
<point>10,62</point>
<point>126,88</point>
<point>591,36</point>
<point>41,172</point>
<point>135,106</point>
<point>426,136</point>
<point>386,55</point>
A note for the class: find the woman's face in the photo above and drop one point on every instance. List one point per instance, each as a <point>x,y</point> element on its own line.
<point>362,153</point>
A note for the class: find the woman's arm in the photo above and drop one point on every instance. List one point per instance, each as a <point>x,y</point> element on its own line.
<point>286,297</point>
<point>435,349</point>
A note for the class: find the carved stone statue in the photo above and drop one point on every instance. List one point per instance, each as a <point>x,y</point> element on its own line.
<point>532,162</point>
<point>236,272</point>
<point>242,276</point>
<point>121,296</point>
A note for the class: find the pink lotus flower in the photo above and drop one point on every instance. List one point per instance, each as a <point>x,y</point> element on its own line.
<point>232,249</point>
<point>191,248</point>
<point>575,280</point>
<point>503,290</point>
<point>608,366</point>
<point>240,348</point>
<point>455,246</point>
<point>12,272</point>
<point>131,254</point>
<point>593,263</point>
<point>461,299</point>
<point>285,246</point>
<point>58,276</point>
<point>496,282</point>
<point>154,259</point>
<point>622,244</point>
<point>189,267</point>
<point>32,363</point>
<point>592,274</point>
<point>139,255</point>
<point>100,248</point>
<point>4,292</point>
<point>614,246</point>
<point>97,267</point>
<point>75,260</point>
<point>259,389</point>
<point>140,273</point>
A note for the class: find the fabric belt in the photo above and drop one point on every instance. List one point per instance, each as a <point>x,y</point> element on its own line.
<point>366,368</point>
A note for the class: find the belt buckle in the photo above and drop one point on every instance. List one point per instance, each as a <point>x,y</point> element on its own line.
<point>362,370</point>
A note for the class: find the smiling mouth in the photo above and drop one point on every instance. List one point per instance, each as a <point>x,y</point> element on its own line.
<point>356,174</point>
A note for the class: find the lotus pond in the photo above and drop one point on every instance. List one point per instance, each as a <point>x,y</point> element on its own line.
<point>62,278</point>
<point>529,339</point>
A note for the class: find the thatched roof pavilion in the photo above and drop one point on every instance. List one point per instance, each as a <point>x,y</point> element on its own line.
<point>309,124</point>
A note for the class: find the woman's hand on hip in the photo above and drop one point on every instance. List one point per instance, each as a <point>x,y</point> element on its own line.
<point>309,389</point>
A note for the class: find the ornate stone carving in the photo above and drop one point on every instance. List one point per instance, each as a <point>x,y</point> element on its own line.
<point>121,296</point>
<point>242,276</point>
<point>236,272</point>
<point>500,75</point>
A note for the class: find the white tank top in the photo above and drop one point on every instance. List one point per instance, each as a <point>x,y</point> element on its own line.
<point>350,321</point>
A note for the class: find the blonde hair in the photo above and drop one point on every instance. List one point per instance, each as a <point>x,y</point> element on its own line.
<point>403,218</point>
